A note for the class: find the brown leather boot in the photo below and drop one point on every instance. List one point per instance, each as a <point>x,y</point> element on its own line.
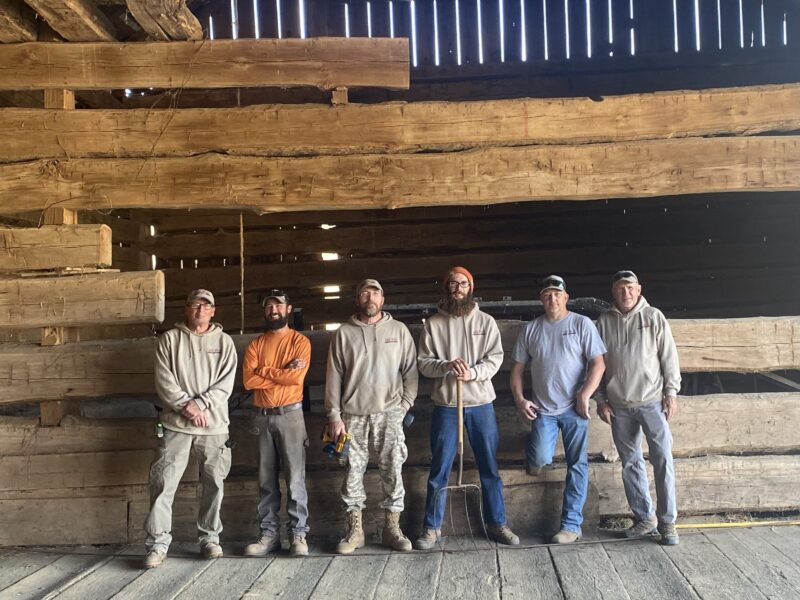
<point>354,538</point>
<point>392,534</point>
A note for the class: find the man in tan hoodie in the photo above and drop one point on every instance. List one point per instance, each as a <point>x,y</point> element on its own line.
<point>461,343</point>
<point>639,394</point>
<point>371,383</point>
<point>194,373</point>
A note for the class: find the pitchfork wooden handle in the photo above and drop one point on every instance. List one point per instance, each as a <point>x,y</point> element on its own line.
<point>460,410</point>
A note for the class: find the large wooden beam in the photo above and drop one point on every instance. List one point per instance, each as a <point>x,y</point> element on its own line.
<point>487,176</point>
<point>166,19</point>
<point>76,300</point>
<point>17,22</point>
<point>318,62</point>
<point>75,20</point>
<point>395,127</point>
<point>55,246</point>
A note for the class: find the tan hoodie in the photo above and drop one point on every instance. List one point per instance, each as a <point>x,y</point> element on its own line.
<point>371,368</point>
<point>474,337</point>
<point>642,360</point>
<point>195,366</point>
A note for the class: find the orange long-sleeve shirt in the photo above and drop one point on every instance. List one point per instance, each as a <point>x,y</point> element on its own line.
<point>265,372</point>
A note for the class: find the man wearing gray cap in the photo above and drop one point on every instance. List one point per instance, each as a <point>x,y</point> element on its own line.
<point>194,373</point>
<point>639,394</point>
<point>371,383</point>
<point>566,357</point>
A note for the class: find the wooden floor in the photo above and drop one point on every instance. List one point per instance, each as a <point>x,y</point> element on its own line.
<point>741,563</point>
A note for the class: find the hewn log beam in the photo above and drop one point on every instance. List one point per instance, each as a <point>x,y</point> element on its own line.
<point>395,127</point>
<point>317,62</point>
<point>82,300</point>
<point>54,246</point>
<point>489,176</point>
<point>17,22</point>
<point>75,20</point>
<point>166,19</point>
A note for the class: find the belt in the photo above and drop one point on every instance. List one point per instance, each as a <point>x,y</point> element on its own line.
<point>279,410</point>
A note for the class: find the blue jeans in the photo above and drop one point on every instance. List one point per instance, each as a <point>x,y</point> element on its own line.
<point>542,445</point>
<point>481,426</point>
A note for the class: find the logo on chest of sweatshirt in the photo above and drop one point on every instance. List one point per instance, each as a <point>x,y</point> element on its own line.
<point>645,324</point>
<point>392,340</point>
<point>478,332</point>
<point>214,351</point>
<point>570,332</point>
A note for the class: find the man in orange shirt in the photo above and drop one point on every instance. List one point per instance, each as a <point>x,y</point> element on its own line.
<point>275,365</point>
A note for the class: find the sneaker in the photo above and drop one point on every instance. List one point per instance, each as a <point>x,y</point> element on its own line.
<point>502,534</point>
<point>642,528</point>
<point>428,539</point>
<point>565,537</point>
<point>298,546</point>
<point>211,550</point>
<point>153,559</point>
<point>266,543</point>
<point>669,537</point>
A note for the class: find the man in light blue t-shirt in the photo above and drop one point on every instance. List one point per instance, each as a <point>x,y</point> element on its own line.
<point>566,357</point>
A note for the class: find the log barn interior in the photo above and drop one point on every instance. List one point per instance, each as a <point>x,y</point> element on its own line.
<point>151,147</point>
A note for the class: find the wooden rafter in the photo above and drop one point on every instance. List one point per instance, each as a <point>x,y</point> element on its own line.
<point>166,19</point>
<point>17,22</point>
<point>75,20</point>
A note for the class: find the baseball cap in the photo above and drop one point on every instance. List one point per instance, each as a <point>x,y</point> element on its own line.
<point>629,276</point>
<point>279,295</point>
<point>373,283</point>
<point>200,294</point>
<point>553,282</point>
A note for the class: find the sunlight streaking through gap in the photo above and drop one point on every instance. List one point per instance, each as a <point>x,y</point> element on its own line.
<point>302,17</point>
<point>480,32</point>
<point>435,33</point>
<point>524,37</point>
<point>256,18</point>
<point>458,34</point>
<point>413,11</point>
<point>502,32</point>
<point>278,13</point>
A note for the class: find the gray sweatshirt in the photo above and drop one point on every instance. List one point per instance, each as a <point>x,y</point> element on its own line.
<point>195,366</point>
<point>474,337</point>
<point>371,368</point>
<point>642,360</point>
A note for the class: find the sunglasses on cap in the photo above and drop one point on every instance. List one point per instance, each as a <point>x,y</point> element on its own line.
<point>276,294</point>
<point>620,275</point>
<point>554,282</point>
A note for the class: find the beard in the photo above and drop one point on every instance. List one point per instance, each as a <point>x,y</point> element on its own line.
<point>279,323</point>
<point>369,310</point>
<point>458,307</point>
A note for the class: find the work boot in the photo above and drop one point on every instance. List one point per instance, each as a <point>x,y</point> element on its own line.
<point>153,559</point>
<point>428,539</point>
<point>502,534</point>
<point>211,550</point>
<point>565,537</point>
<point>298,546</point>
<point>266,543</point>
<point>354,538</point>
<point>642,528</point>
<point>669,537</point>
<point>392,534</point>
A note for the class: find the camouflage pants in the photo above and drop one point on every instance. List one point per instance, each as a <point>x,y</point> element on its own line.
<point>389,443</point>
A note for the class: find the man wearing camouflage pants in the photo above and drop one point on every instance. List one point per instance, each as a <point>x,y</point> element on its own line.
<point>371,383</point>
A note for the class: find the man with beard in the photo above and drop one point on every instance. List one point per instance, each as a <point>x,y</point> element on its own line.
<point>275,365</point>
<point>461,343</point>
<point>566,357</point>
<point>195,369</point>
<point>370,385</point>
<point>639,394</point>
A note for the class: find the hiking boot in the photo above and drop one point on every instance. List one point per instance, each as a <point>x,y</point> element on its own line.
<point>669,537</point>
<point>211,550</point>
<point>354,538</point>
<point>392,534</point>
<point>298,546</point>
<point>153,559</point>
<point>565,537</point>
<point>532,469</point>
<point>428,539</point>
<point>642,528</point>
<point>266,543</point>
<point>502,534</point>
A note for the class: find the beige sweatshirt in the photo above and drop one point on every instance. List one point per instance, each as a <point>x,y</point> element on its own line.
<point>642,360</point>
<point>195,366</point>
<point>475,338</point>
<point>371,368</point>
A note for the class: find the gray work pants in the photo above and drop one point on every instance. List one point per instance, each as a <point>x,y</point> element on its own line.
<point>282,443</point>
<point>214,460</point>
<point>627,427</point>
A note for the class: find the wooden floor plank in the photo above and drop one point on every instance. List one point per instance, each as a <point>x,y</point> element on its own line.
<point>410,576</point>
<point>527,573</point>
<point>57,575</point>
<point>777,559</point>
<point>709,571</point>
<point>586,571</point>
<point>761,569</point>
<point>165,581</point>
<point>786,539</point>
<point>105,581</point>
<point>353,577</point>
<point>467,575</point>
<point>288,578</point>
<point>21,564</point>
<point>645,573</point>
<point>225,578</point>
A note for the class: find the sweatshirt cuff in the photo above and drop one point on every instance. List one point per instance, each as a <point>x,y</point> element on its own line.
<point>202,404</point>
<point>406,404</point>
<point>334,416</point>
<point>670,392</point>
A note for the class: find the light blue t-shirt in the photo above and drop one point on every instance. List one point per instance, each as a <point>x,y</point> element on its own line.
<point>559,353</point>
